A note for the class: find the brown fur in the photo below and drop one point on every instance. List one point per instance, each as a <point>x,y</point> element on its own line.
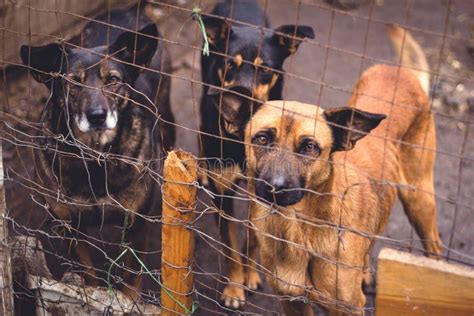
<point>248,63</point>
<point>300,244</point>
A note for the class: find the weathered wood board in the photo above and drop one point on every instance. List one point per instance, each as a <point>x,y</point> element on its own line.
<point>68,296</point>
<point>58,298</point>
<point>6,282</point>
<point>408,284</point>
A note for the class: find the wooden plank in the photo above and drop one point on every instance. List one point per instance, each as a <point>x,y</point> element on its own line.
<point>6,283</point>
<point>59,298</point>
<point>179,201</point>
<point>68,296</point>
<point>408,284</point>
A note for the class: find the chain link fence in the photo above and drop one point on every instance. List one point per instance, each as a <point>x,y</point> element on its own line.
<point>86,228</point>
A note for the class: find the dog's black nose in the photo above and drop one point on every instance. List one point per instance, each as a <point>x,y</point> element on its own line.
<point>280,183</point>
<point>280,190</point>
<point>97,116</point>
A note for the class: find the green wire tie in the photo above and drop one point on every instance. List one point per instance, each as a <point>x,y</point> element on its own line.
<point>187,311</point>
<point>197,17</point>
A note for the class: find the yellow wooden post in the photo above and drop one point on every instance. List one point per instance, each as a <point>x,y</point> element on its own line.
<point>179,198</point>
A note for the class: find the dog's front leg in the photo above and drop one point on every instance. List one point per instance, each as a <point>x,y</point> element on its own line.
<point>338,286</point>
<point>233,294</point>
<point>133,274</point>
<point>85,259</point>
<point>132,278</point>
<point>252,277</point>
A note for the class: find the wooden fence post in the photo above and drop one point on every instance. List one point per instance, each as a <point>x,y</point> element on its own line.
<point>6,282</point>
<point>179,199</point>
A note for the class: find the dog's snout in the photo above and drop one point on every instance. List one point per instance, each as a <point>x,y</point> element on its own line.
<point>280,189</point>
<point>279,183</point>
<point>97,116</point>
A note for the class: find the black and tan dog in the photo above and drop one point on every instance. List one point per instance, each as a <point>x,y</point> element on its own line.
<point>245,60</point>
<point>331,188</point>
<point>98,143</point>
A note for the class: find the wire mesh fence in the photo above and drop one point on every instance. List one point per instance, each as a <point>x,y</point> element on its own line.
<point>101,91</point>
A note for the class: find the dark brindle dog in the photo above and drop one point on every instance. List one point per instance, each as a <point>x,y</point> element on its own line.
<point>98,144</point>
<point>245,60</point>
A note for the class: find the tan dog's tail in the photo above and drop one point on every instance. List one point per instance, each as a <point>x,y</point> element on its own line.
<point>412,55</point>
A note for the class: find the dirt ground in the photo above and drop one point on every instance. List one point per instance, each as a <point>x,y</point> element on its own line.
<point>323,72</point>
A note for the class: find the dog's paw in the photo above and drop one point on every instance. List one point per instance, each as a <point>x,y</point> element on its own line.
<point>203,178</point>
<point>233,296</point>
<point>433,249</point>
<point>253,280</point>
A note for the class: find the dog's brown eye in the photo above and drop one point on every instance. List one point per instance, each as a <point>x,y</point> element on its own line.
<point>113,79</point>
<point>310,148</point>
<point>74,77</point>
<point>229,64</point>
<point>261,140</point>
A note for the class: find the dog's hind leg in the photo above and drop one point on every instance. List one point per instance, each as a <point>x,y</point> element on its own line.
<point>417,163</point>
<point>419,205</point>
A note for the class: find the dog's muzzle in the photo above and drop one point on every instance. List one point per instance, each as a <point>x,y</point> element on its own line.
<point>97,119</point>
<point>280,190</point>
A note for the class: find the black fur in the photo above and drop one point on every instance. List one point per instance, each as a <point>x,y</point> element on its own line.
<point>248,42</point>
<point>156,86</point>
<point>95,174</point>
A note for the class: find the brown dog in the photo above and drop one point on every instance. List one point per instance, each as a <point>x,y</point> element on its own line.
<point>330,197</point>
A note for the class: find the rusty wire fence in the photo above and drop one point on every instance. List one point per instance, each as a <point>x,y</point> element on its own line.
<point>69,230</point>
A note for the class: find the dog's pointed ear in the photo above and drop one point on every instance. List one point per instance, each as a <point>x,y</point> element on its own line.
<point>234,106</point>
<point>44,60</point>
<point>349,125</point>
<point>289,37</point>
<point>136,47</point>
<point>217,29</point>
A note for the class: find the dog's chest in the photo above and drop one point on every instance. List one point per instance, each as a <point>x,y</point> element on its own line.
<point>294,231</point>
<point>86,181</point>
<point>287,247</point>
